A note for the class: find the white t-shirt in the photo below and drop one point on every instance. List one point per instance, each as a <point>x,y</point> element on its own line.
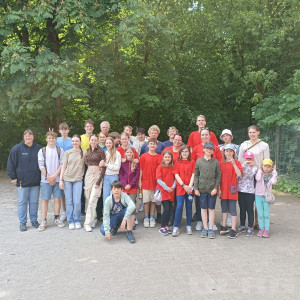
<point>53,162</point>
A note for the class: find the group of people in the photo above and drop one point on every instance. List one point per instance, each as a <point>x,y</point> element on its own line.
<point>141,173</point>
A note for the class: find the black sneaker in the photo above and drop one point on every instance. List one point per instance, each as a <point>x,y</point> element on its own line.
<point>130,237</point>
<point>114,230</point>
<point>23,227</point>
<point>232,234</point>
<point>35,224</point>
<point>224,230</point>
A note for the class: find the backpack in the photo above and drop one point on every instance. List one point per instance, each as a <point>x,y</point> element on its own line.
<point>58,150</point>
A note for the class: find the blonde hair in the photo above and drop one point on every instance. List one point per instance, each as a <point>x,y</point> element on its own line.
<point>112,152</point>
<point>51,133</point>
<point>171,164</point>
<point>154,127</point>
<point>133,164</point>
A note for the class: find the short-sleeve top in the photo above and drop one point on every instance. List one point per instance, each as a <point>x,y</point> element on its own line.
<point>75,165</point>
<point>185,169</point>
<point>228,178</point>
<point>148,165</point>
<point>167,176</point>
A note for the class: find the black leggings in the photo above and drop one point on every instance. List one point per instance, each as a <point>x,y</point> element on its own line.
<point>246,202</point>
<point>168,209</point>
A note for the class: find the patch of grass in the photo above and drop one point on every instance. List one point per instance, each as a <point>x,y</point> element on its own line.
<point>288,184</point>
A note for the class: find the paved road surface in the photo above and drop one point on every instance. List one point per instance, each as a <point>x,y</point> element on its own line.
<point>64,264</point>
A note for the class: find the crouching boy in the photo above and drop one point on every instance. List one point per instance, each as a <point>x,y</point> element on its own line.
<point>118,211</point>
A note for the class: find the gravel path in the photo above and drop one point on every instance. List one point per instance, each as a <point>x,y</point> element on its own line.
<point>64,264</point>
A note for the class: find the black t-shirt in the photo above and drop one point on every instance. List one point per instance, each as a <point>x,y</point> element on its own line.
<point>117,206</point>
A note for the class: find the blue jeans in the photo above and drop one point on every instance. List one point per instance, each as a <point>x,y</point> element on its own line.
<point>73,200</point>
<point>263,212</point>
<point>28,195</point>
<point>179,209</point>
<point>107,181</point>
<point>115,220</point>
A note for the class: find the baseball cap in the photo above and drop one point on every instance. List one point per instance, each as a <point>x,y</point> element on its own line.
<point>209,145</point>
<point>267,161</point>
<point>224,132</point>
<point>248,154</point>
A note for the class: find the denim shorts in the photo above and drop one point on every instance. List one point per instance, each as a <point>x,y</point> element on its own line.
<point>207,201</point>
<point>229,204</point>
<point>47,190</point>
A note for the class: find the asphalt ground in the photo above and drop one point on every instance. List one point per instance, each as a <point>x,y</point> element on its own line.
<point>63,264</point>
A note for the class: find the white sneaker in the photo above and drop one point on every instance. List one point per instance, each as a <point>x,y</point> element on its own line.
<point>199,226</point>
<point>136,222</point>
<point>71,226</point>
<point>77,225</point>
<point>63,216</point>
<point>59,223</point>
<point>152,222</point>
<point>146,222</point>
<point>88,228</point>
<point>189,230</point>
<point>93,224</point>
<point>228,222</point>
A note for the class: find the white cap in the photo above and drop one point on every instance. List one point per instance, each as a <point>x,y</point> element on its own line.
<point>224,132</point>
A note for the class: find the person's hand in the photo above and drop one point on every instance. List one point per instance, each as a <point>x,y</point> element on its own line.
<point>136,160</point>
<point>214,192</point>
<point>274,168</point>
<point>170,190</point>
<point>197,192</point>
<point>232,161</point>
<point>220,194</point>
<point>102,164</point>
<point>127,187</point>
<point>108,236</point>
<point>261,166</point>
<point>123,224</point>
<point>14,181</point>
<point>123,160</point>
<point>61,185</point>
<point>140,185</point>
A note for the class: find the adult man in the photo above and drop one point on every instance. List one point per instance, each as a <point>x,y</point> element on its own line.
<point>104,128</point>
<point>195,138</point>
<point>23,170</point>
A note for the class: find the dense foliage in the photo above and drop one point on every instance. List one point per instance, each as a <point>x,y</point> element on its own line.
<point>144,62</point>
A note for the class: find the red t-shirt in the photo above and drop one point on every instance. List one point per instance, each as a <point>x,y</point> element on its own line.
<point>198,152</point>
<point>175,154</point>
<point>167,176</point>
<point>228,178</point>
<point>195,139</point>
<point>122,152</point>
<point>148,165</point>
<point>185,169</point>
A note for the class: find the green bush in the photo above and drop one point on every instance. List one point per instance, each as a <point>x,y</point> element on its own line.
<point>288,184</point>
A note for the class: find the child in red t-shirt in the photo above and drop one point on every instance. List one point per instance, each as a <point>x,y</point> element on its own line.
<point>184,173</point>
<point>148,164</point>
<point>125,145</point>
<point>166,181</point>
<point>231,168</point>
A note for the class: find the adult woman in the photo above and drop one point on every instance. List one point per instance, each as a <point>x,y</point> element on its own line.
<point>71,181</point>
<point>112,164</point>
<point>205,135</point>
<point>177,142</point>
<point>259,148</point>
<point>93,181</point>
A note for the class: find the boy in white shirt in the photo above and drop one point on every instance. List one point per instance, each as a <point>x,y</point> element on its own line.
<point>50,162</point>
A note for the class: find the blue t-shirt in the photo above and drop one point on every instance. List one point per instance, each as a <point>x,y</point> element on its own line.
<point>158,150</point>
<point>64,144</point>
